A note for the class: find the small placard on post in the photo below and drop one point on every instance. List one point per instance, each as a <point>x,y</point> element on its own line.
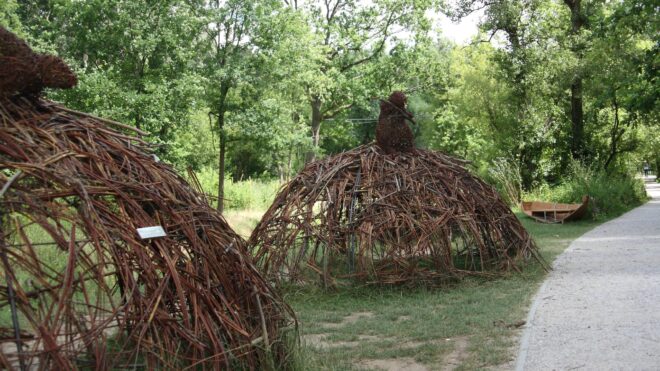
<point>151,232</point>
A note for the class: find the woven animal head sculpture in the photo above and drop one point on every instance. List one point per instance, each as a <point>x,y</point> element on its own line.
<point>22,71</point>
<point>392,132</point>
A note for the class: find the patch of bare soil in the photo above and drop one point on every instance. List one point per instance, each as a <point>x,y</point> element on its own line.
<point>456,357</point>
<point>410,344</point>
<point>392,364</point>
<point>315,340</point>
<point>503,366</point>
<point>320,341</point>
<point>350,319</point>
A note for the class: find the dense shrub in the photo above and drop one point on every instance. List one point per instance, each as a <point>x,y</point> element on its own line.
<point>611,194</point>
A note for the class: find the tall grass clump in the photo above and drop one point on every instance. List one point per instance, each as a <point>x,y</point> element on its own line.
<point>611,194</point>
<point>250,194</point>
<point>245,194</point>
<point>505,176</point>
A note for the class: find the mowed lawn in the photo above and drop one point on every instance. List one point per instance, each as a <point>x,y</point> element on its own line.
<point>472,324</point>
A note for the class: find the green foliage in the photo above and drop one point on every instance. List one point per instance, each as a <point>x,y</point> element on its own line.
<point>251,78</point>
<point>135,60</point>
<point>9,16</point>
<point>525,94</point>
<point>649,149</point>
<point>196,146</point>
<point>267,134</point>
<point>610,194</point>
<point>250,194</point>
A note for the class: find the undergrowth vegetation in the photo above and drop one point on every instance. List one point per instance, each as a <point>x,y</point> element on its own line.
<point>250,194</point>
<point>611,194</point>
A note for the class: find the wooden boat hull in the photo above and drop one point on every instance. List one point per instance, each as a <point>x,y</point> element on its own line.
<point>552,212</point>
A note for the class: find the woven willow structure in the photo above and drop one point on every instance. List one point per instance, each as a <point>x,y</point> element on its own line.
<point>80,286</point>
<point>388,218</point>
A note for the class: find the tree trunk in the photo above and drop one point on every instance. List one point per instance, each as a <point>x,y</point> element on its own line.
<point>577,119</point>
<point>221,163</point>
<point>527,169</point>
<point>280,172</point>
<point>615,134</point>
<point>222,109</point>
<point>578,21</point>
<point>289,166</point>
<point>317,118</point>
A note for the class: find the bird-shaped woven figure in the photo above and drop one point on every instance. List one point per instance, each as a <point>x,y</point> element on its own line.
<point>22,71</point>
<point>392,132</point>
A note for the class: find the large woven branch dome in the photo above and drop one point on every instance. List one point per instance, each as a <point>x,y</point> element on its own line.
<point>374,217</point>
<point>80,287</point>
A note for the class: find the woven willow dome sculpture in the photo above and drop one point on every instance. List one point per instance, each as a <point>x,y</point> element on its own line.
<point>380,215</point>
<point>80,286</point>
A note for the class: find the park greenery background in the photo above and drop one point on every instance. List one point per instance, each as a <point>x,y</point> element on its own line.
<point>563,98</point>
<point>553,99</point>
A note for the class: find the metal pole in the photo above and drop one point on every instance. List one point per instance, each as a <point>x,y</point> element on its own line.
<point>11,295</point>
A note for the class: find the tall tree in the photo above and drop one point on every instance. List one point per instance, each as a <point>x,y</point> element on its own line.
<point>578,23</point>
<point>134,59</point>
<point>286,57</point>
<point>623,95</point>
<point>230,27</point>
<point>519,126</point>
<point>352,34</point>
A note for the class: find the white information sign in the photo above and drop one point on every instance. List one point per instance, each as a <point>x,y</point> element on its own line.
<point>151,232</point>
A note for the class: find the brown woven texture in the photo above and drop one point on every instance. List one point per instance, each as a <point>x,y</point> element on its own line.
<point>373,217</point>
<point>392,132</point>
<point>26,72</point>
<point>80,289</point>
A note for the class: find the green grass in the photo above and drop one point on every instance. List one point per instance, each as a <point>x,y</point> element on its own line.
<point>477,316</point>
<point>243,222</point>
<point>250,194</point>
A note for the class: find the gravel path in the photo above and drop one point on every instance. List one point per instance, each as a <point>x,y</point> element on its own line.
<point>599,309</point>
